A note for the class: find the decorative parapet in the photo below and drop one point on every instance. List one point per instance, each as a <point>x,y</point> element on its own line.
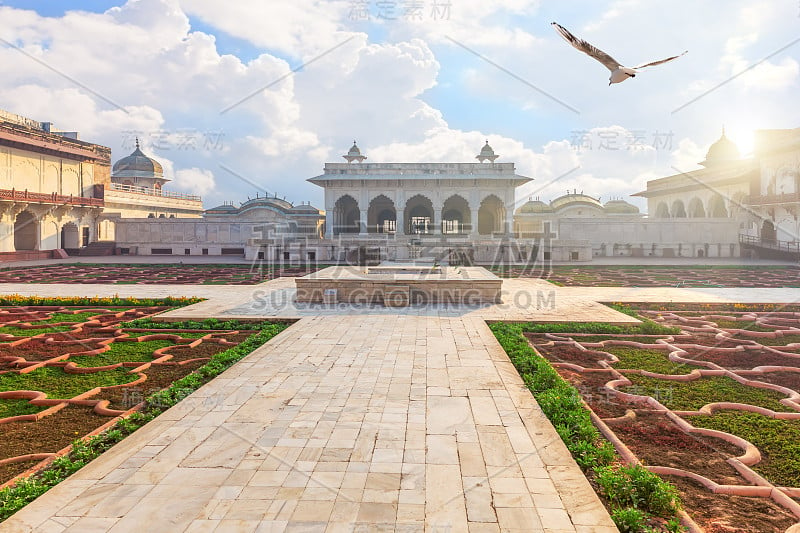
<point>133,189</point>
<point>48,198</point>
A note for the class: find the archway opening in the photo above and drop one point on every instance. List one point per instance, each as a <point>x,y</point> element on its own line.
<point>678,209</point>
<point>381,216</point>
<point>346,216</point>
<point>696,209</point>
<point>662,211</point>
<point>456,217</point>
<point>491,216</point>
<point>70,236</point>
<point>419,216</point>
<point>768,233</point>
<point>26,227</point>
<point>716,207</point>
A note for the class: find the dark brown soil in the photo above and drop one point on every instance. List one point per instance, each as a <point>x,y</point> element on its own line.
<point>38,350</point>
<point>721,513</point>
<point>655,440</point>
<point>568,353</point>
<point>203,350</point>
<point>159,376</point>
<point>49,434</point>
<point>90,333</point>
<point>12,470</point>
<point>590,385</point>
<point>22,317</point>
<point>711,341</point>
<point>790,380</point>
<point>747,359</point>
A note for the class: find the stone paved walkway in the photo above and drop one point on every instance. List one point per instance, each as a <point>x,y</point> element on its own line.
<point>350,420</point>
<point>341,424</point>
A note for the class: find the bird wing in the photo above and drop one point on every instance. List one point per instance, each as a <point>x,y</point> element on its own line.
<point>660,61</point>
<point>610,63</point>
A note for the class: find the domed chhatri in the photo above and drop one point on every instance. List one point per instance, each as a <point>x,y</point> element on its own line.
<point>354,154</point>
<point>486,154</point>
<point>534,207</point>
<point>722,151</point>
<point>138,165</point>
<point>620,207</point>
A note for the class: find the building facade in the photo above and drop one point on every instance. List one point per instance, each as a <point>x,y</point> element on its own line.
<point>51,187</point>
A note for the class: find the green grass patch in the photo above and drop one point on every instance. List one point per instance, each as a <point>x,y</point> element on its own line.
<point>778,341</point>
<point>649,360</point>
<point>692,395</point>
<point>778,440</point>
<point>122,352</point>
<point>56,383</point>
<point>9,407</point>
<point>14,498</point>
<point>67,317</point>
<point>20,332</point>
<point>735,324</point>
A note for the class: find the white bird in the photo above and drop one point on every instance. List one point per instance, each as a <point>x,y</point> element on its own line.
<point>619,73</point>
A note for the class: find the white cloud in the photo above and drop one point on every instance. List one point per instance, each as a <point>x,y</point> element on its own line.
<point>167,78</point>
<point>195,180</point>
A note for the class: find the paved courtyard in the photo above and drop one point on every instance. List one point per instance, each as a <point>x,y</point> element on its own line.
<point>354,419</point>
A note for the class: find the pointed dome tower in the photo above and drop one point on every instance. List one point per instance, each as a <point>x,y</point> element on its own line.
<point>722,151</point>
<point>138,169</point>
<point>486,154</point>
<point>354,154</point>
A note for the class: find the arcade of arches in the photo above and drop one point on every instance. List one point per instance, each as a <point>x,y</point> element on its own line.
<point>714,207</point>
<point>419,216</point>
<point>30,228</point>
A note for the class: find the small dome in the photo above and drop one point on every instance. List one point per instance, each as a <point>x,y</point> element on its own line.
<point>487,153</point>
<point>571,199</point>
<point>354,154</point>
<point>722,151</point>
<point>304,209</point>
<point>269,201</point>
<point>222,209</point>
<point>620,207</point>
<point>137,165</point>
<point>533,207</point>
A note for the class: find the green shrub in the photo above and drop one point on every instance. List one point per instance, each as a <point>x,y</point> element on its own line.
<point>629,519</point>
<point>635,486</point>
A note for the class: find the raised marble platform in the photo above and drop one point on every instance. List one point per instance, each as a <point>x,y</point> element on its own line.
<point>400,285</point>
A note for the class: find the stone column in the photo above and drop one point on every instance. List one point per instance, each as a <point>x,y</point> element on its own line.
<point>329,221</point>
<point>509,219</point>
<point>363,222</point>
<point>437,221</point>
<point>473,219</point>
<point>400,223</point>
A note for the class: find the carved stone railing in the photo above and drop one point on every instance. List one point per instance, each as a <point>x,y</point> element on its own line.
<point>48,198</point>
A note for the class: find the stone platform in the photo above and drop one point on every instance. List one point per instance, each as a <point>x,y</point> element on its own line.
<point>400,286</point>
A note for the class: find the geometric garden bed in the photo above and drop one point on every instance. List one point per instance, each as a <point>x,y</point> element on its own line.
<point>713,409</point>
<point>70,372</point>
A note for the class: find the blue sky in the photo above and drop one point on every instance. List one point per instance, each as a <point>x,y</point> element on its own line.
<point>408,90</point>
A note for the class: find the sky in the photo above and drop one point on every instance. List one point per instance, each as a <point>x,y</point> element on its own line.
<point>250,97</point>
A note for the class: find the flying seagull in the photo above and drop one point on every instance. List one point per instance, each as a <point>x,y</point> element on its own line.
<point>619,73</point>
